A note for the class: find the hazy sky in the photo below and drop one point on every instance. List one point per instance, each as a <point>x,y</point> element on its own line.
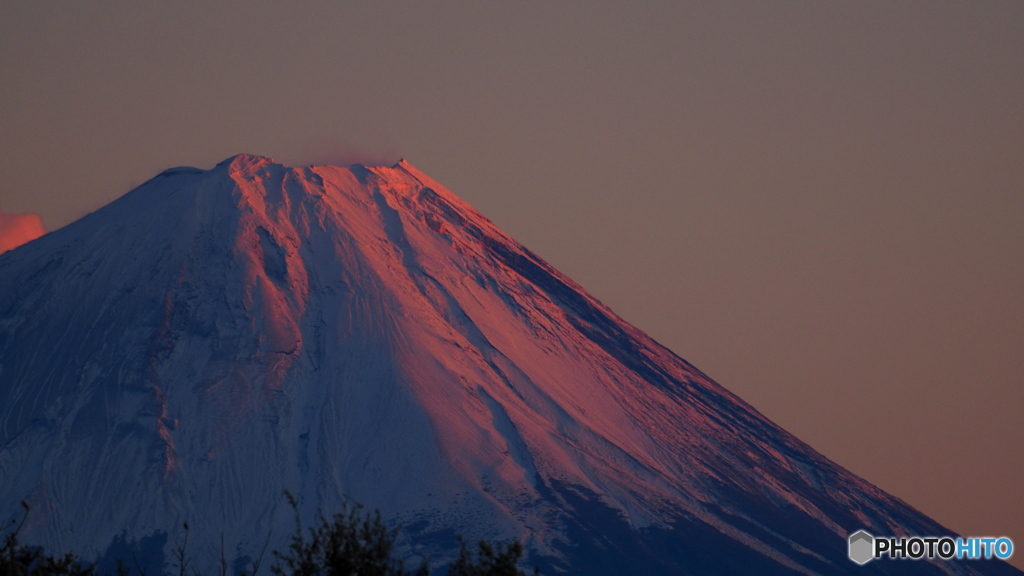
<point>820,205</point>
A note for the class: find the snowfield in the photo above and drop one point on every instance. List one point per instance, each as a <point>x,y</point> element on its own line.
<point>214,338</point>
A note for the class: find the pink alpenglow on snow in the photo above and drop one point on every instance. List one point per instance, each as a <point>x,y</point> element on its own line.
<point>216,337</point>
<point>17,229</point>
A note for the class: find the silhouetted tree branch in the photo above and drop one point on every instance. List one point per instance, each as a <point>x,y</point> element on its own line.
<point>351,543</point>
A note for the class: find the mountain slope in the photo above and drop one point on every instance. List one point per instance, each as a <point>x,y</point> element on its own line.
<point>214,338</point>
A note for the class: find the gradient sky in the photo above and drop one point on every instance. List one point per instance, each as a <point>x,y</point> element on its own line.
<point>820,205</point>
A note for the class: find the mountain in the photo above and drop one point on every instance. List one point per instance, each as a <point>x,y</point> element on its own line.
<point>214,338</point>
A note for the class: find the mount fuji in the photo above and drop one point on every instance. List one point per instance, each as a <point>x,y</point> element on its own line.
<point>216,337</point>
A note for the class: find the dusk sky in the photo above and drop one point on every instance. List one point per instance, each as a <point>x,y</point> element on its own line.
<point>820,205</point>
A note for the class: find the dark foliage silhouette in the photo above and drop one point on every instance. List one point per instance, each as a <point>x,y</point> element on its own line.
<point>491,560</point>
<point>351,543</point>
<point>17,559</point>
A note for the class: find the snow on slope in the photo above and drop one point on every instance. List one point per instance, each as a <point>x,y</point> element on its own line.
<point>214,338</point>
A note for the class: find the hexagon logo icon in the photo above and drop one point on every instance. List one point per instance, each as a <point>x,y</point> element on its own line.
<point>861,547</point>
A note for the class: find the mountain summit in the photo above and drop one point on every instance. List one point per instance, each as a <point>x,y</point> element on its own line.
<point>216,337</point>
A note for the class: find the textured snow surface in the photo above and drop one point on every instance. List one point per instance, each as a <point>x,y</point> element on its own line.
<point>214,338</point>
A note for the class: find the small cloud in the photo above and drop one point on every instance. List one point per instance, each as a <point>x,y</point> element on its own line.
<point>17,229</point>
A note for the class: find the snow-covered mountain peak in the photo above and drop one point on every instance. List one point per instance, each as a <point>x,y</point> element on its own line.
<point>214,338</point>
<point>244,160</point>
